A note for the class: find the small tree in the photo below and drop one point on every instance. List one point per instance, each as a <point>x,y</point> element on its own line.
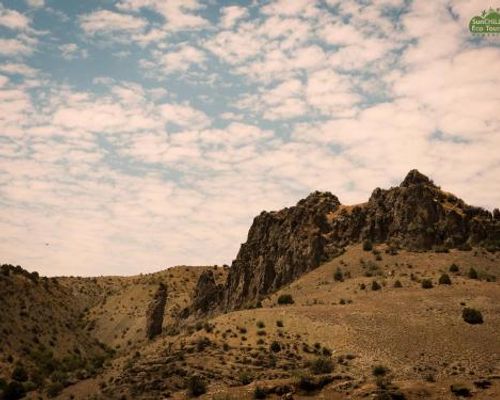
<point>472,316</point>
<point>338,275</point>
<point>427,284</point>
<point>367,245</point>
<point>444,279</point>
<point>322,365</point>
<point>454,268</point>
<point>196,386</point>
<point>472,274</point>
<point>285,299</point>
<point>275,347</point>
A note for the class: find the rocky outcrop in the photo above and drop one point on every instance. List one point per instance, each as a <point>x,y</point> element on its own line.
<point>207,293</point>
<point>155,312</point>
<point>280,247</point>
<point>283,245</point>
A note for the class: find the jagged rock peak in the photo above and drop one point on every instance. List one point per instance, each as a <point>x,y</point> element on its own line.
<point>414,177</point>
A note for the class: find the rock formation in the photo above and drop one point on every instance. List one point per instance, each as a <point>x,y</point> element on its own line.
<point>207,293</point>
<point>283,245</point>
<point>155,312</point>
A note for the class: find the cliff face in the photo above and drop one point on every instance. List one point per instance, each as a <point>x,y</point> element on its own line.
<point>283,245</point>
<point>155,312</point>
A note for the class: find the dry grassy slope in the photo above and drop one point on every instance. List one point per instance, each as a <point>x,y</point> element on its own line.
<point>418,333</point>
<point>40,316</point>
<point>119,317</point>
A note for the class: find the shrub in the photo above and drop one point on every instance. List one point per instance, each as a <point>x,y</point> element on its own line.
<point>472,316</point>
<point>398,284</point>
<point>13,391</point>
<point>275,347</point>
<point>427,284</point>
<point>444,279</point>
<point>338,275</point>
<point>19,374</point>
<point>322,365</point>
<point>454,267</point>
<point>54,389</point>
<point>472,274</point>
<point>196,386</point>
<point>245,377</point>
<point>285,299</point>
<point>259,393</point>
<point>261,324</point>
<point>279,324</point>
<point>379,370</point>
<point>376,286</point>
<point>367,245</point>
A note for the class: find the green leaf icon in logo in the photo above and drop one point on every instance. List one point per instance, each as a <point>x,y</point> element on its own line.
<point>487,23</point>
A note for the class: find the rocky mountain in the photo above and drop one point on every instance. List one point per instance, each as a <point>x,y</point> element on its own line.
<point>283,245</point>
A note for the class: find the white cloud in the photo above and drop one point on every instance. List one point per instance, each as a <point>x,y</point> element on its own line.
<point>71,51</point>
<point>231,15</point>
<point>35,3</point>
<point>178,60</point>
<point>18,69</point>
<point>106,22</point>
<point>184,115</point>
<point>178,14</point>
<point>14,47</point>
<point>13,19</point>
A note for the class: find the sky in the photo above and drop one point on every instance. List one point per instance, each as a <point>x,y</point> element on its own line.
<point>141,134</point>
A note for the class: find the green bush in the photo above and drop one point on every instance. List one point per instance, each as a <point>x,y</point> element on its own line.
<point>454,268</point>
<point>472,274</point>
<point>13,391</point>
<point>367,245</point>
<point>472,316</point>
<point>444,279</point>
<point>54,389</point>
<point>379,370</point>
<point>259,393</point>
<point>196,386</point>
<point>427,284</point>
<point>338,275</point>
<point>322,365</point>
<point>285,299</point>
<point>19,374</point>
<point>275,347</point>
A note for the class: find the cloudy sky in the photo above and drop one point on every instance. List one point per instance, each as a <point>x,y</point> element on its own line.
<point>140,134</point>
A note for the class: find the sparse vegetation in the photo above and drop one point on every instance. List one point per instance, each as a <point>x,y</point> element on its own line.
<point>367,245</point>
<point>322,365</point>
<point>444,279</point>
<point>472,274</point>
<point>338,276</point>
<point>285,299</point>
<point>454,268</point>
<point>196,386</point>
<point>472,316</point>
<point>427,284</point>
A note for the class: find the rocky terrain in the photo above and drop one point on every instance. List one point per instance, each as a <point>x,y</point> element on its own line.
<point>395,298</point>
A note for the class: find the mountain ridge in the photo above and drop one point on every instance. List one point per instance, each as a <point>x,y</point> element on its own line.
<point>283,245</point>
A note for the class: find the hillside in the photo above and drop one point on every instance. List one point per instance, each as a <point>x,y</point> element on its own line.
<point>395,298</point>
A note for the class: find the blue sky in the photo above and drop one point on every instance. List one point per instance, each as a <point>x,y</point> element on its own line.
<point>141,134</point>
